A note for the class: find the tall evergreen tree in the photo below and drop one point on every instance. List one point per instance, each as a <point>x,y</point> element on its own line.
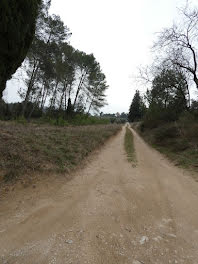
<point>137,108</point>
<point>17,27</point>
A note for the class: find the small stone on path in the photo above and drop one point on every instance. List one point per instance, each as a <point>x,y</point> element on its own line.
<point>69,241</point>
<point>143,240</point>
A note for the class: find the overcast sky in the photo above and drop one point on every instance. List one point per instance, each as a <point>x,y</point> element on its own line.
<point>119,33</point>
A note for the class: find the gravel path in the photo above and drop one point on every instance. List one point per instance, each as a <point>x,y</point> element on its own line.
<point>109,213</point>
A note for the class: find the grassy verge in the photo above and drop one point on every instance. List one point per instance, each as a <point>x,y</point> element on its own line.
<point>30,148</point>
<point>129,146</point>
<point>177,140</point>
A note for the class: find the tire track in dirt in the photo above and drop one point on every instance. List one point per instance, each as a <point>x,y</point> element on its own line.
<point>109,212</point>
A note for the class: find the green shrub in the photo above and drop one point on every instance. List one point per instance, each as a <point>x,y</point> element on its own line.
<point>179,145</point>
<point>166,132</point>
<point>155,117</point>
<point>186,118</point>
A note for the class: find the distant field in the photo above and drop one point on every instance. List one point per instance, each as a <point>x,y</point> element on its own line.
<point>28,148</point>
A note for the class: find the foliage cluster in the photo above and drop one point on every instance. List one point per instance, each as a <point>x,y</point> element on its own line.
<point>17,27</point>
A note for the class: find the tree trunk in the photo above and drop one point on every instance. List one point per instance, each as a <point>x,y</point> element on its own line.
<point>62,96</point>
<point>31,112</point>
<point>2,87</point>
<point>189,104</point>
<point>30,86</point>
<point>79,88</point>
<point>196,80</point>
<point>70,88</point>
<point>35,103</point>
<point>61,100</point>
<point>65,103</point>
<point>44,100</point>
<point>54,95</point>
<point>91,103</point>
<point>90,107</point>
<point>42,95</point>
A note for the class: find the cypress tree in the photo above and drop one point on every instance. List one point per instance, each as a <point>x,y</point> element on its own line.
<point>17,28</point>
<point>136,108</point>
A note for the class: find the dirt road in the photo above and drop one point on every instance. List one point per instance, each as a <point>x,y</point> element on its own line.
<point>108,213</point>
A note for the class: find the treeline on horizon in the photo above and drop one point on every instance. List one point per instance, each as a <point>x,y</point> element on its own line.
<point>171,76</point>
<point>59,81</point>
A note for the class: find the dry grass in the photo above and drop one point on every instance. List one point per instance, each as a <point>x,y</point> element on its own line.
<point>28,148</point>
<point>129,146</point>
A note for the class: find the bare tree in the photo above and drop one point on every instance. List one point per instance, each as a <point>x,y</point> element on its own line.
<point>178,44</point>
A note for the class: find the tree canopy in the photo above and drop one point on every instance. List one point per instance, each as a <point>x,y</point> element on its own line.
<point>169,90</point>
<point>59,77</point>
<point>17,27</point>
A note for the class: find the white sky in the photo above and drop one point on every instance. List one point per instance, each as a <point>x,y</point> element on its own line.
<point>119,33</point>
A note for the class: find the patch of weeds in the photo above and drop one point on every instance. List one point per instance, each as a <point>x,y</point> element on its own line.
<point>129,146</point>
<point>10,176</point>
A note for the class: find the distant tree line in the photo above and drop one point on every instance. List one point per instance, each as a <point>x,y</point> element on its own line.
<point>59,80</point>
<point>116,117</point>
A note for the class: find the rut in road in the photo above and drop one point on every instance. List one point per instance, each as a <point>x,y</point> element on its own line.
<point>109,212</point>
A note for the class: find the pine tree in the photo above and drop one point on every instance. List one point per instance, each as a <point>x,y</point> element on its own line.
<point>17,27</point>
<point>137,108</point>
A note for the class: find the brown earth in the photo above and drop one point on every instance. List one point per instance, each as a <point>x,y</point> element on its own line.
<point>108,213</point>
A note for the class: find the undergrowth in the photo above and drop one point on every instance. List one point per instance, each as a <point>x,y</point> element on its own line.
<point>177,140</point>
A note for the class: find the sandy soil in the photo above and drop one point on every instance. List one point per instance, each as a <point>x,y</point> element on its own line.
<point>108,213</point>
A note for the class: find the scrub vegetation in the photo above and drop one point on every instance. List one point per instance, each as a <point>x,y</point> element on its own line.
<point>177,140</point>
<point>30,148</point>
